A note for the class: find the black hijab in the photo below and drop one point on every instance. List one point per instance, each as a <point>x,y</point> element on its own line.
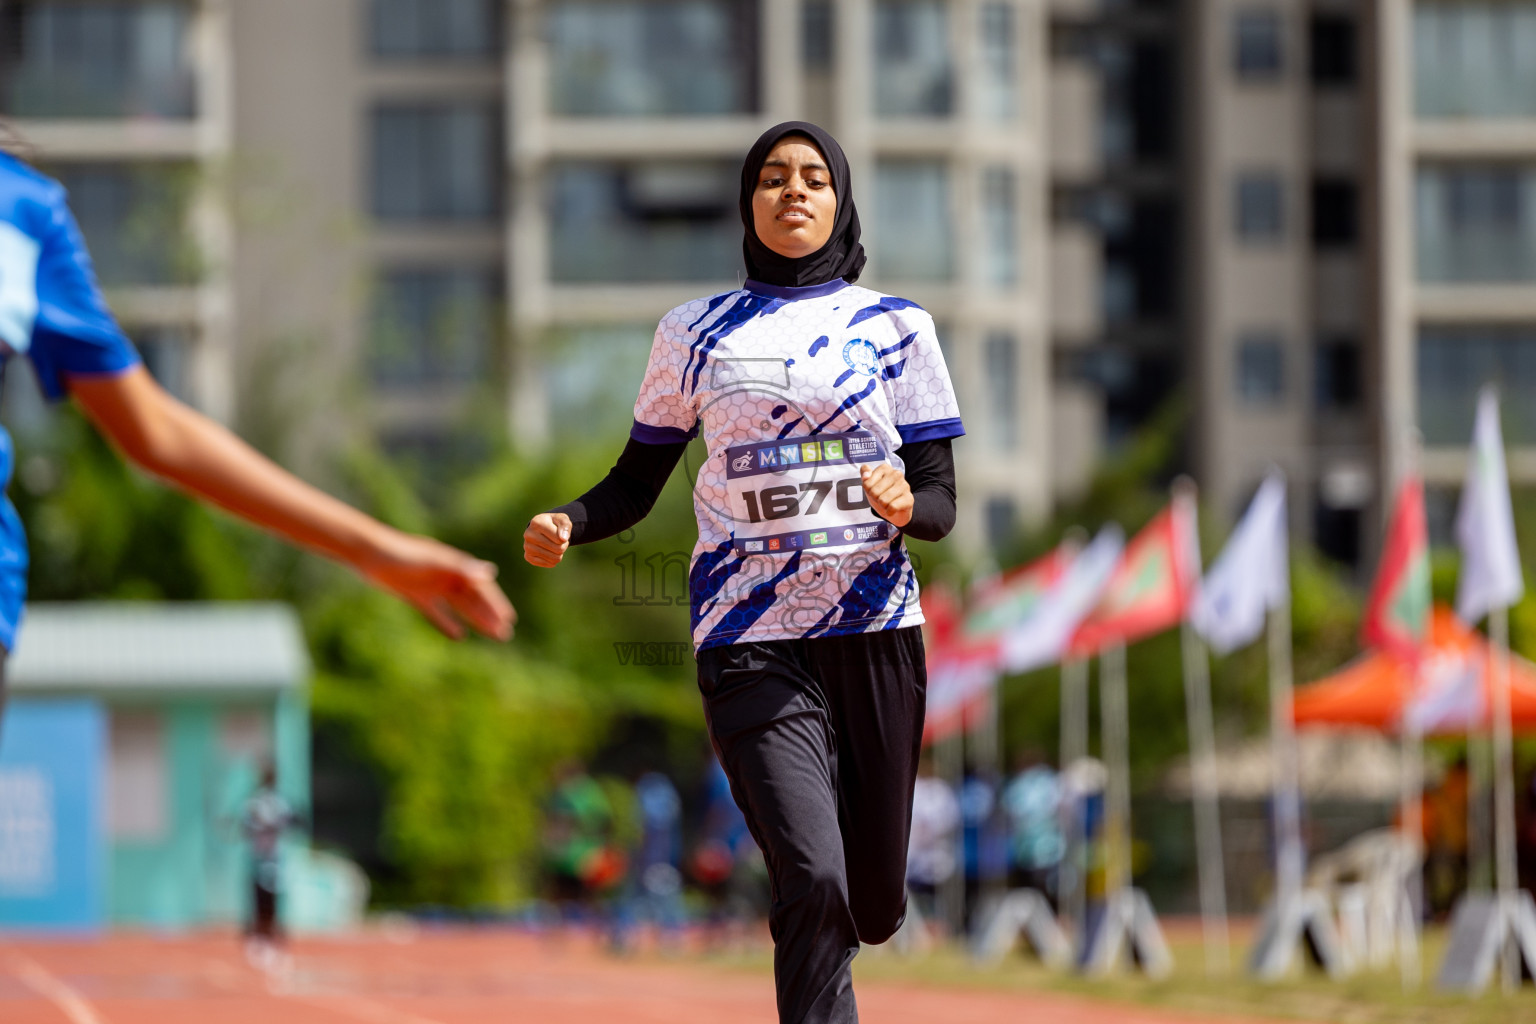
<point>842,256</point>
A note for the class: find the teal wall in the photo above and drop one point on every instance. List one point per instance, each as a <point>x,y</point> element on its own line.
<point>197,872</point>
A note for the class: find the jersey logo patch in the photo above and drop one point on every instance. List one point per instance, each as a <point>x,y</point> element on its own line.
<point>861,356</point>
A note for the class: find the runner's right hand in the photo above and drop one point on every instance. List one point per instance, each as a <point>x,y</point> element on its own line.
<point>547,537</point>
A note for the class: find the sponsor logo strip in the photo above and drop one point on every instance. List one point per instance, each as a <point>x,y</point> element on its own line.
<point>833,537</point>
<point>793,453</point>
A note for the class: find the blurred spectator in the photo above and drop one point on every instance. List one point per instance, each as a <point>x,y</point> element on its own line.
<point>1444,809</point>
<point>1525,830</point>
<point>1081,880</point>
<point>984,839</point>
<point>264,819</point>
<point>1031,803</point>
<point>579,856</point>
<point>655,891</point>
<point>931,847</point>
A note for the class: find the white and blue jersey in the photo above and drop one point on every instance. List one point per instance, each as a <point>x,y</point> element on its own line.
<point>52,312</point>
<point>793,389</point>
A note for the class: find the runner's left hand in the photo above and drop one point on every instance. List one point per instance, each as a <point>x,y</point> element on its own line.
<point>889,496</point>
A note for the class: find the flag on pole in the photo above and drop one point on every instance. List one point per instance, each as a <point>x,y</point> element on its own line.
<point>1251,576</point>
<point>1019,623</point>
<point>1485,523</point>
<point>965,650</point>
<point>1043,638</point>
<point>1397,613</point>
<point>1153,585</point>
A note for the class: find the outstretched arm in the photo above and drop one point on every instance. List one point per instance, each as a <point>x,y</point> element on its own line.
<point>179,444</point>
<point>620,500</point>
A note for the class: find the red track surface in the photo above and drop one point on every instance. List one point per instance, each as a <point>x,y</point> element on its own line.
<point>447,977</point>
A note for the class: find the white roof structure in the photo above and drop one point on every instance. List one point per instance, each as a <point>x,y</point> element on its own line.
<point>157,646</point>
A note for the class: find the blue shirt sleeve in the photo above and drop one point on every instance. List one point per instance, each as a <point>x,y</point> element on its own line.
<point>74,332</point>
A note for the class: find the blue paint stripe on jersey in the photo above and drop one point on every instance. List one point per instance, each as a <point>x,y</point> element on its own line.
<point>707,576</point>
<point>931,430</point>
<point>747,308</point>
<point>842,378</point>
<point>870,592</point>
<point>903,343</point>
<point>848,403</point>
<point>906,598</point>
<point>751,608</point>
<point>817,345</point>
<point>893,371</point>
<point>645,433</point>
<point>889,304</point>
<point>784,430</point>
<point>714,304</point>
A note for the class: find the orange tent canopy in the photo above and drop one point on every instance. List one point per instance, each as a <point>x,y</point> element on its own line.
<point>1376,690</point>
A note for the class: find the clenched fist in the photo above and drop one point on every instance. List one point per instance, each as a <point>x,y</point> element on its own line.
<point>889,496</point>
<point>547,537</point>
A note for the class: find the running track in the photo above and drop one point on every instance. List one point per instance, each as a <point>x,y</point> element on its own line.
<point>449,977</point>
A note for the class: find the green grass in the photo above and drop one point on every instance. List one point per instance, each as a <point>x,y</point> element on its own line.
<point>1369,997</point>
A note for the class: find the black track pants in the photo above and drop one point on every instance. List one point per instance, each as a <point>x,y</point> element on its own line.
<point>820,741</point>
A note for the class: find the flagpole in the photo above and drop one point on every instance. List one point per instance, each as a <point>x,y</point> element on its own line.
<point>1413,828</point>
<point>1504,786</point>
<point>1072,895</point>
<point>1115,725</point>
<point>1290,852</point>
<point>1202,742</point>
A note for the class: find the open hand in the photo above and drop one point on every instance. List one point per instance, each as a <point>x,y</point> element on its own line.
<point>452,589</point>
<point>547,537</point>
<point>889,496</point>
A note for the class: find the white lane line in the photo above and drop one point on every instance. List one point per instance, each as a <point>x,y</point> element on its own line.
<point>344,1004</point>
<point>71,1003</point>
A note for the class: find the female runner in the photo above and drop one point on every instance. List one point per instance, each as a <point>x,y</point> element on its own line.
<point>52,312</point>
<point>827,412</point>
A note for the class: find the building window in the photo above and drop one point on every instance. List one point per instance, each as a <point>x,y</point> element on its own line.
<point>672,221</point>
<point>648,58</point>
<point>1336,531</point>
<point>914,72</point>
<point>1260,368</point>
<point>139,781</point>
<point>97,60</point>
<point>134,219</point>
<point>913,237</point>
<point>997,78</point>
<point>1337,363</point>
<point>1002,521</point>
<point>818,39</point>
<point>437,161</point>
<point>167,355</point>
<point>589,378</point>
<point>1001,359</point>
<point>1333,41</point>
<point>1260,212</point>
<point>1476,223</point>
<point>1256,44</point>
<point>1000,227</point>
<point>433,326</point>
<point>1335,213</point>
<point>1455,361</point>
<point>435,29</point>
<point>1474,59</point>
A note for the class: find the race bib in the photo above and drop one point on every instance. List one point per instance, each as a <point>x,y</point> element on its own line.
<point>799,493</point>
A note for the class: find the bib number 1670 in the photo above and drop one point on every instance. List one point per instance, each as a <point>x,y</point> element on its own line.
<point>783,501</point>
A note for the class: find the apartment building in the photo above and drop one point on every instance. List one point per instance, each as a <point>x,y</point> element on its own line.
<point>1456,186</point>
<point>427,215</point>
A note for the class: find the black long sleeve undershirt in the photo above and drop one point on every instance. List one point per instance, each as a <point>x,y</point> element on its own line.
<point>629,491</point>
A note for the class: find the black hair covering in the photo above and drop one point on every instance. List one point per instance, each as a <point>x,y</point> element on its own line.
<point>842,256</point>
